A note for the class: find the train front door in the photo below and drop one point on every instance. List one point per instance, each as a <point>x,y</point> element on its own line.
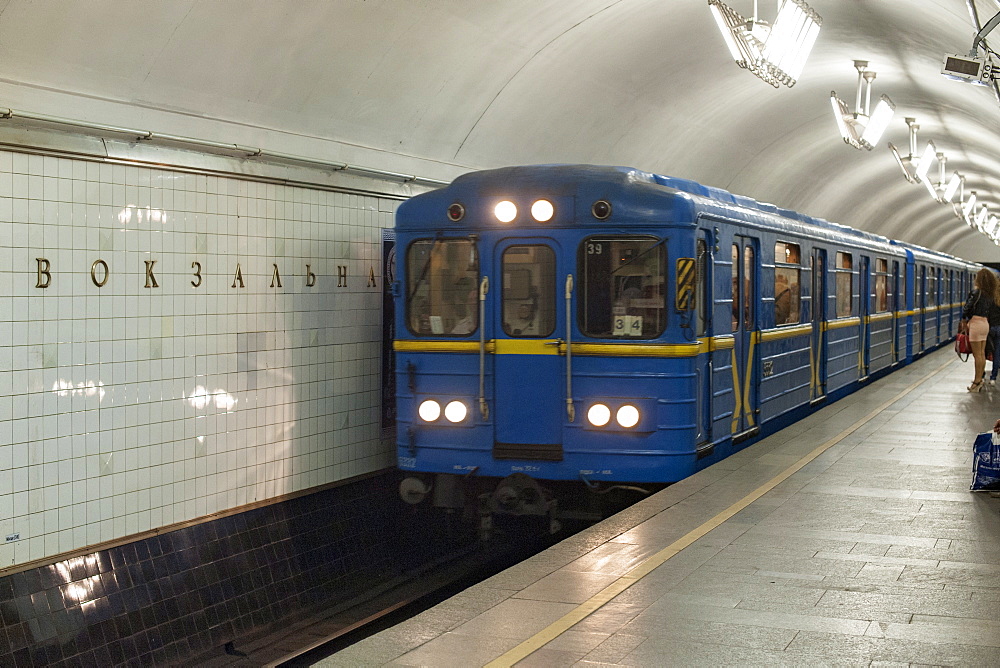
<point>745,331</point>
<point>529,371</point>
<point>817,390</point>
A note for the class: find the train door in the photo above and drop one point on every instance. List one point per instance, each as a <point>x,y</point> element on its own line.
<point>921,302</point>
<point>896,305</point>
<point>864,311</point>
<point>817,389</point>
<point>744,327</point>
<point>529,326</point>
<point>702,318</point>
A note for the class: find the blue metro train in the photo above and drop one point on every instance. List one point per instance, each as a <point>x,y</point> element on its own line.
<point>606,325</point>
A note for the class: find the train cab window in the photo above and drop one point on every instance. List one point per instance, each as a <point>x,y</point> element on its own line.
<point>442,287</point>
<point>787,294</point>
<point>528,291</point>
<point>622,287</point>
<point>881,285</point>
<point>844,271</point>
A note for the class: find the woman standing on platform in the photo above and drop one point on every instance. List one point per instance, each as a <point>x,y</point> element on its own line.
<point>984,296</point>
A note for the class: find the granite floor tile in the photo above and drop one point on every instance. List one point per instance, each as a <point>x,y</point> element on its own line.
<point>457,650</point>
<point>677,627</point>
<point>514,618</point>
<point>646,622</point>
<point>612,558</point>
<point>654,654</point>
<point>576,640</point>
<point>613,649</point>
<point>550,658</point>
<point>567,587</point>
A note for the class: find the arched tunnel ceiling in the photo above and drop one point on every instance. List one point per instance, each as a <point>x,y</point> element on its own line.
<point>439,87</point>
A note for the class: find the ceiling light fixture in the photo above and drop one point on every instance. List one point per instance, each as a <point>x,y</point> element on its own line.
<point>775,52</point>
<point>953,185</point>
<point>935,188</point>
<point>968,207</point>
<point>981,217</point>
<point>905,162</point>
<point>924,166</point>
<point>861,128</point>
<point>991,227</point>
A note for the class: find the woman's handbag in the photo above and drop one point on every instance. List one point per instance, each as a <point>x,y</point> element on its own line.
<point>962,346</point>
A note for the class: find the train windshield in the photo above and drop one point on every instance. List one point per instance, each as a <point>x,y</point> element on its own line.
<point>442,279</point>
<point>622,287</point>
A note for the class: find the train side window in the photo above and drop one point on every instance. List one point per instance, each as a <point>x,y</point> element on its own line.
<point>748,291</point>
<point>901,297</point>
<point>920,298</point>
<point>844,271</point>
<point>881,285</point>
<point>932,286</point>
<point>623,287</point>
<point>528,291</point>
<point>442,279</point>
<point>736,287</point>
<point>787,274</point>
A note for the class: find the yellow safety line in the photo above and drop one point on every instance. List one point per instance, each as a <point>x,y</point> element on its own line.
<point>591,605</point>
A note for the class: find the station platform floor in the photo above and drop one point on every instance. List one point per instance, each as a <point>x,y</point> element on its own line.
<point>850,538</point>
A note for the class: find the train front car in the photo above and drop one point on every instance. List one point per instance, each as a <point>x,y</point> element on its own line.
<point>545,333</point>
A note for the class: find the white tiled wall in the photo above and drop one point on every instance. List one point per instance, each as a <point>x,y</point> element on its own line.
<point>124,408</point>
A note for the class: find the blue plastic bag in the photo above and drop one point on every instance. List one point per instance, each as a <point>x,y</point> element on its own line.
<point>986,463</point>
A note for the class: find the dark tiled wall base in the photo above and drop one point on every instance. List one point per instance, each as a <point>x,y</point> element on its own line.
<point>161,599</point>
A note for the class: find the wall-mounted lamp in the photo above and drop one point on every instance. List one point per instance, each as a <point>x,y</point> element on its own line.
<point>862,128</point>
<point>905,162</point>
<point>775,52</point>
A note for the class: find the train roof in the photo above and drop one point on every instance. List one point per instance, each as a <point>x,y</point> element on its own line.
<point>587,183</point>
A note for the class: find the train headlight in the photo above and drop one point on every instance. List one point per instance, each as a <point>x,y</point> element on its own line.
<point>456,212</point>
<point>429,410</point>
<point>599,415</point>
<point>628,416</point>
<point>505,211</point>
<point>455,411</point>
<point>542,210</point>
<point>601,209</point>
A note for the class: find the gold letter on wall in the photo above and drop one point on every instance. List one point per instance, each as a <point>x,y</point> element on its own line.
<point>239,277</point>
<point>43,270</point>
<point>150,279</point>
<point>93,273</point>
